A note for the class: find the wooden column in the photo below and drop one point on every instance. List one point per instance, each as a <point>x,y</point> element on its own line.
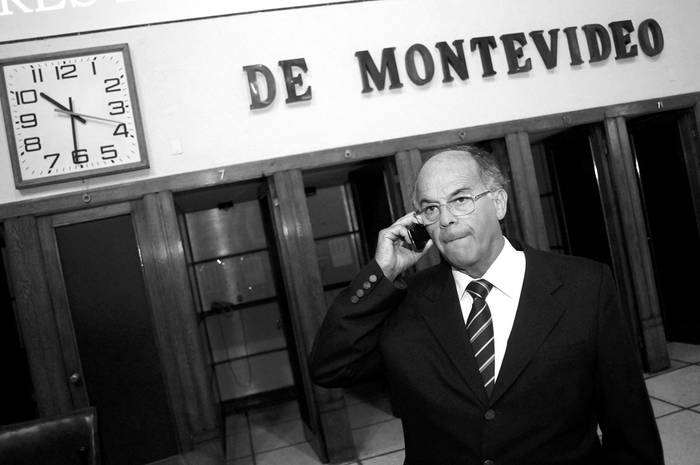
<point>526,191</point>
<point>328,426</point>
<point>35,316</point>
<point>168,287</point>
<point>511,223</point>
<point>689,128</point>
<point>614,229</point>
<point>625,184</point>
<point>408,164</point>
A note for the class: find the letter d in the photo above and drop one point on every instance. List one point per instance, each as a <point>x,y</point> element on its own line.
<point>256,100</point>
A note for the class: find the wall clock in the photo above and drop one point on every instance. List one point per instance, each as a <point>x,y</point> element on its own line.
<point>71,115</point>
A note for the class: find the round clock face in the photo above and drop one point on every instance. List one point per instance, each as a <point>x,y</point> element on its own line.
<point>72,115</point>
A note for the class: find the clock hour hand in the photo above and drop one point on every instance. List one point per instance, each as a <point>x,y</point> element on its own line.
<point>62,107</point>
<point>83,115</point>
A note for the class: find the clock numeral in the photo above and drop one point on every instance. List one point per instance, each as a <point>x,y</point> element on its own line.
<point>26,97</point>
<point>121,130</point>
<point>55,159</point>
<point>32,144</point>
<point>66,71</point>
<point>114,86</point>
<point>80,156</point>
<point>94,68</point>
<point>108,149</point>
<point>37,75</point>
<point>28,120</point>
<point>118,107</point>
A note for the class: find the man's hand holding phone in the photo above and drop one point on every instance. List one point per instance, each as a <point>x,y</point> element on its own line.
<point>398,246</point>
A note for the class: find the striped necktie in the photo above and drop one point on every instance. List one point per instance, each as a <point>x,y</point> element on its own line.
<point>480,331</point>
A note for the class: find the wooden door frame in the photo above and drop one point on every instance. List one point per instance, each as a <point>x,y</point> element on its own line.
<point>59,297</point>
<point>329,433</point>
<point>35,316</point>
<point>631,216</point>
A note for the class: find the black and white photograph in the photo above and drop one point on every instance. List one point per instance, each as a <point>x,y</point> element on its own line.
<point>349,232</point>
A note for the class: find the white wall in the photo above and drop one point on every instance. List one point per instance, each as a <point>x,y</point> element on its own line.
<point>192,87</point>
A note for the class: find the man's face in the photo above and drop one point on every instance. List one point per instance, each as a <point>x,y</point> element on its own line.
<point>470,242</point>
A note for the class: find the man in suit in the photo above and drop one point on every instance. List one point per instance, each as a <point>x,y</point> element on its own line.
<point>494,356</point>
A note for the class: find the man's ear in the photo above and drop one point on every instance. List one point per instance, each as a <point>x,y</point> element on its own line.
<point>500,199</point>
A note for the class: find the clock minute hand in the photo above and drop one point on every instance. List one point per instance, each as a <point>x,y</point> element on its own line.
<point>79,115</point>
<point>62,107</point>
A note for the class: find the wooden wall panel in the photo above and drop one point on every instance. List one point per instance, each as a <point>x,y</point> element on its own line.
<point>167,282</point>
<point>332,436</point>
<point>626,187</point>
<point>614,228</point>
<point>35,316</point>
<point>526,191</point>
<point>511,222</point>
<point>690,140</point>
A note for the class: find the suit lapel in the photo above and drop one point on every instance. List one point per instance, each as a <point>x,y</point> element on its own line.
<point>538,312</point>
<point>443,316</point>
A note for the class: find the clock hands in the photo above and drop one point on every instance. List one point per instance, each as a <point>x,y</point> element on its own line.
<point>72,127</point>
<point>82,115</point>
<point>62,107</point>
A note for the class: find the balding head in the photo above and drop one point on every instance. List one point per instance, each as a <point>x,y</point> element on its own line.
<point>449,181</point>
<point>461,158</point>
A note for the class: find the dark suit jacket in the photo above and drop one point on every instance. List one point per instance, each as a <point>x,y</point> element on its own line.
<point>570,365</point>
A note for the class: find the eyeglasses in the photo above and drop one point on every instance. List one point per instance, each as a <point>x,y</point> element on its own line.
<point>459,206</point>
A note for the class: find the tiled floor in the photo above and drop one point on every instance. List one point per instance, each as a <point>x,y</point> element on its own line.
<point>275,436</point>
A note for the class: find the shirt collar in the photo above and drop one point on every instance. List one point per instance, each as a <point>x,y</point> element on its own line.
<point>500,273</point>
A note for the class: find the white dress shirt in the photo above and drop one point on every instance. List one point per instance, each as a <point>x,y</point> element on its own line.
<point>506,274</point>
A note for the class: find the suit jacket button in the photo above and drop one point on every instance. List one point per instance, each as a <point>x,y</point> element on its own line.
<point>359,293</point>
<point>354,299</point>
<point>490,414</point>
<point>366,285</point>
<point>373,278</point>
<point>489,462</point>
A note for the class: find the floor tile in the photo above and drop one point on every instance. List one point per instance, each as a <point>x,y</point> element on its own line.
<point>275,413</point>
<point>300,454</point>
<point>238,445</point>
<point>395,458</point>
<point>378,439</point>
<point>274,436</point>
<point>675,364</point>
<point>236,423</point>
<point>242,461</point>
<point>678,387</point>
<point>680,434</point>
<point>368,413</point>
<point>684,352</point>
<point>662,408</point>
<point>206,453</point>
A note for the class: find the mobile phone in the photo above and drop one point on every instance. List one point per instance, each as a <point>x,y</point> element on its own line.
<point>418,236</point>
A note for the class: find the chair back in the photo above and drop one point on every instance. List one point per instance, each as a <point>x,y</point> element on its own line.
<point>68,439</point>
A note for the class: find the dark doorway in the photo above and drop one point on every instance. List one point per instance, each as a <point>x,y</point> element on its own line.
<point>17,403</point>
<point>570,196</point>
<point>665,180</point>
<point>116,340</point>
